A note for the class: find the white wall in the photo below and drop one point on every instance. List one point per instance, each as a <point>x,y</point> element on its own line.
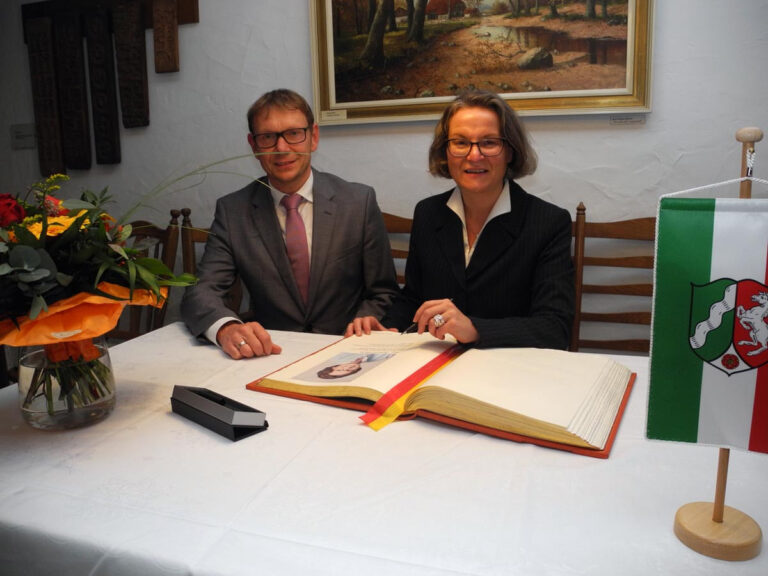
<point>708,80</point>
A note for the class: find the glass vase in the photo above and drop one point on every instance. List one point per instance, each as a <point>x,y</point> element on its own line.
<point>67,384</point>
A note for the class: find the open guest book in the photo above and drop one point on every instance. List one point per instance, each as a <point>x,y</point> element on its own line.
<point>564,400</point>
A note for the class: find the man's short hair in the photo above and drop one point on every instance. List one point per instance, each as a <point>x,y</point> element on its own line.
<point>280,98</point>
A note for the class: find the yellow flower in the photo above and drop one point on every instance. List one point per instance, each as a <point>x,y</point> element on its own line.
<point>56,224</point>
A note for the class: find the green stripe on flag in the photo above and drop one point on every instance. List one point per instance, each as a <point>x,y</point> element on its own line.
<point>683,258</point>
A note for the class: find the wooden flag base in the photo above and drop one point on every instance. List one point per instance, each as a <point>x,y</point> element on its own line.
<point>737,537</point>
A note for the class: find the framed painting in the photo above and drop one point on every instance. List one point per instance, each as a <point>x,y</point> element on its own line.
<point>396,60</point>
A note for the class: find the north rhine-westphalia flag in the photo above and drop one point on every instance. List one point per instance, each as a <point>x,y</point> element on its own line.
<point>709,350</point>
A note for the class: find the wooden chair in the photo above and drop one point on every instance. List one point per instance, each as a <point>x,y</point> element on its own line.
<point>628,254</point>
<point>160,243</point>
<point>5,375</point>
<point>190,237</point>
<point>399,230</point>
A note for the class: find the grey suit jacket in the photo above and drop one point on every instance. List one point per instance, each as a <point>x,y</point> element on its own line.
<point>351,273</point>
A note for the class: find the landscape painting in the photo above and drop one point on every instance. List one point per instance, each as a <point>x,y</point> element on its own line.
<point>392,60</point>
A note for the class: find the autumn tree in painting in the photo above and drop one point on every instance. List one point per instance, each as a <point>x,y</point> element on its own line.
<point>416,27</point>
<point>373,53</point>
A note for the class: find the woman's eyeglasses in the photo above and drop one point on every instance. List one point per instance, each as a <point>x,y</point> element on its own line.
<point>461,147</point>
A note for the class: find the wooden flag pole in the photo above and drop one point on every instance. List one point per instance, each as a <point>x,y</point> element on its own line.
<point>712,528</point>
<point>748,137</point>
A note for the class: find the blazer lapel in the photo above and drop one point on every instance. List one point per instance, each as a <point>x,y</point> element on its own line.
<point>323,222</point>
<point>449,237</point>
<point>499,234</point>
<point>266,226</point>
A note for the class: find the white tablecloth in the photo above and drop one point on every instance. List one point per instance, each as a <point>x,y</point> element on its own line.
<point>148,492</point>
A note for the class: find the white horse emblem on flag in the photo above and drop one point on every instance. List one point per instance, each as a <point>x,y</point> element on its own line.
<point>728,324</point>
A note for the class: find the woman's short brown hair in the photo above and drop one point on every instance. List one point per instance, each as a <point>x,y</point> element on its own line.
<point>513,132</point>
<point>280,98</point>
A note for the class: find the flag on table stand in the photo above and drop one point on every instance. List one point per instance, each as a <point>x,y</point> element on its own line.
<point>709,349</point>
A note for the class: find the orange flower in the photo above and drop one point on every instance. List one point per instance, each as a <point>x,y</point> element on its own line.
<point>78,350</point>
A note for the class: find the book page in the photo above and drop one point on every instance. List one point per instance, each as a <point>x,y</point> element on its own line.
<point>377,361</point>
<point>549,385</point>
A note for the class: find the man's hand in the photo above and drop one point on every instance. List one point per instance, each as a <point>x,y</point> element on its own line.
<point>364,325</point>
<point>246,340</point>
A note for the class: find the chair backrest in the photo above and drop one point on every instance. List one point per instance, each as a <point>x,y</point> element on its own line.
<point>190,237</point>
<point>399,230</point>
<point>160,243</point>
<point>619,257</point>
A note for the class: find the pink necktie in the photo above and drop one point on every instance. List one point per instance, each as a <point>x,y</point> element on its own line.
<point>296,243</point>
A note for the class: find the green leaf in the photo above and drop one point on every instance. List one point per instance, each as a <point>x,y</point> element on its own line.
<point>64,279</point>
<point>25,238</point>
<point>77,205</point>
<point>149,279</point>
<point>120,250</point>
<point>131,276</point>
<point>180,280</point>
<point>155,266</point>
<point>24,257</point>
<point>33,276</point>
<point>38,305</point>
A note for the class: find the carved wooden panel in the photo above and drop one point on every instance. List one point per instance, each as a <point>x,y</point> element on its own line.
<point>101,68</point>
<point>130,52</point>
<point>44,95</point>
<point>165,20</point>
<point>72,89</point>
<point>58,71</point>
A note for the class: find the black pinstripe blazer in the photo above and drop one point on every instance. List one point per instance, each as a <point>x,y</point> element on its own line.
<point>518,288</point>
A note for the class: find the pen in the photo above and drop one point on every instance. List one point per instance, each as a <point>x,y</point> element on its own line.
<point>415,324</point>
<point>411,327</point>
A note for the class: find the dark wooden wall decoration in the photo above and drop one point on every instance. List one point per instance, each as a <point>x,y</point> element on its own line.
<point>130,52</point>
<point>54,32</point>
<point>44,95</point>
<point>101,70</point>
<point>72,91</point>
<point>166,35</point>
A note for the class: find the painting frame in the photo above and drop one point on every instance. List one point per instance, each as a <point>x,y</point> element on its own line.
<point>634,98</point>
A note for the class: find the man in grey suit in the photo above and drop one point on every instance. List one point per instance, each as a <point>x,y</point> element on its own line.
<point>342,244</point>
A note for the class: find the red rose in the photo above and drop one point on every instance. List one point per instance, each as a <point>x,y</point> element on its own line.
<point>10,210</point>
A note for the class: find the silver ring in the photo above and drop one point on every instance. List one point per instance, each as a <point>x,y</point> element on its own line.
<point>241,344</point>
<point>438,320</point>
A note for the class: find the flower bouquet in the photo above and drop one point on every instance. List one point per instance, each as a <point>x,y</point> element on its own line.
<point>66,273</point>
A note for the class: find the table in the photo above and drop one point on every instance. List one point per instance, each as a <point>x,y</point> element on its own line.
<point>149,492</point>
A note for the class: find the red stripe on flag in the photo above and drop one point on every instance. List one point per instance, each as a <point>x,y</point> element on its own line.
<point>399,390</point>
<point>758,435</point>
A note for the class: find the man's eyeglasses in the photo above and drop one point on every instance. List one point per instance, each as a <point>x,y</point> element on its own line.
<point>291,136</point>
<point>461,147</point>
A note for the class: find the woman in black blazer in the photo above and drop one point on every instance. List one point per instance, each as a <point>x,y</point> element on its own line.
<point>488,263</point>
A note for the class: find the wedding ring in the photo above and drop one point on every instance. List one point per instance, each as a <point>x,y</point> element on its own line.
<point>241,344</point>
<point>438,320</point>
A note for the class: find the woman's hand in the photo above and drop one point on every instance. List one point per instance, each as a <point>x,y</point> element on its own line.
<point>441,317</point>
<point>365,325</point>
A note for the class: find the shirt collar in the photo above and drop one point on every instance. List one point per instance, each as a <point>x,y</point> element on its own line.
<point>503,205</point>
<point>305,191</point>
